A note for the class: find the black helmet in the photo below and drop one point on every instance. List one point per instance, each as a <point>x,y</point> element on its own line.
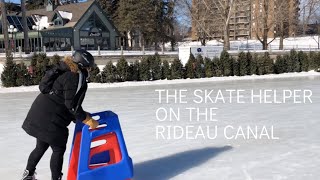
<point>83,58</point>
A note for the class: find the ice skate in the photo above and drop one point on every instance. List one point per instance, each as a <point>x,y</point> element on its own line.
<point>27,176</point>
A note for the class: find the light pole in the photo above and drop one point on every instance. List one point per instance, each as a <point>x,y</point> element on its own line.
<point>37,27</point>
<point>12,30</point>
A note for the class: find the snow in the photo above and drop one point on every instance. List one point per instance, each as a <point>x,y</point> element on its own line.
<point>1,70</point>
<point>295,156</point>
<point>65,15</point>
<point>96,53</point>
<point>306,43</point>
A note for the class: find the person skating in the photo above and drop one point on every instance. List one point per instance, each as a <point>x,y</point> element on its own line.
<point>52,112</point>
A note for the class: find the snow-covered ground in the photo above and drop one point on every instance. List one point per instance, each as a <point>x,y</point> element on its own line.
<point>96,53</point>
<point>302,43</point>
<point>294,156</point>
<point>305,43</point>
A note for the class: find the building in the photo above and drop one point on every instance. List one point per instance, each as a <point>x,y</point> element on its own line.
<point>240,22</point>
<point>245,18</point>
<point>58,28</point>
<point>288,15</point>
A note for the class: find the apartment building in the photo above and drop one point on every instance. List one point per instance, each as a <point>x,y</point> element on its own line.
<point>246,19</point>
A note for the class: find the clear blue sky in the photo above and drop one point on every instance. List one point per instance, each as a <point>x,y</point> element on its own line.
<point>14,1</point>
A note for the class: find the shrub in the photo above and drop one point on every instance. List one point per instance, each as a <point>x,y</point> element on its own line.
<point>191,67</point>
<point>208,66</point>
<point>122,69</point>
<point>95,75</point>
<point>144,70</point>
<point>155,66</point>
<point>177,71</point>
<point>199,67</point>
<point>23,77</point>
<point>243,64</point>
<point>109,73</point>
<point>227,63</point>
<point>279,65</point>
<point>9,74</point>
<point>166,73</point>
<point>133,71</point>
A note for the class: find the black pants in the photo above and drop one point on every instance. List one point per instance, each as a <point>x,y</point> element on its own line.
<point>56,160</point>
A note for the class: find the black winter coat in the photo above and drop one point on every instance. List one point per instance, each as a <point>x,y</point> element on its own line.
<point>50,114</point>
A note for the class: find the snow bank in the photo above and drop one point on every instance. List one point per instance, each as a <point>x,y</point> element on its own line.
<point>171,82</point>
<point>1,69</point>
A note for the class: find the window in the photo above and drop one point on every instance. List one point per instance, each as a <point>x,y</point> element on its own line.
<point>94,22</point>
<point>57,20</point>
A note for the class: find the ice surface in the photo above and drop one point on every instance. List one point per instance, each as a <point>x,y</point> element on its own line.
<point>295,156</point>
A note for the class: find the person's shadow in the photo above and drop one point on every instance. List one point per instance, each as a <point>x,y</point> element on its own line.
<point>167,167</point>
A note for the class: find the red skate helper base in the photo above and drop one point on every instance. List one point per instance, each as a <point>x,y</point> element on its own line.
<point>111,146</point>
<point>73,164</point>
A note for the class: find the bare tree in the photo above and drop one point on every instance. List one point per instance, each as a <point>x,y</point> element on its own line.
<point>225,9</point>
<point>195,13</point>
<point>5,27</point>
<point>309,12</point>
<point>25,27</point>
<point>264,21</point>
<point>281,21</point>
<point>211,19</point>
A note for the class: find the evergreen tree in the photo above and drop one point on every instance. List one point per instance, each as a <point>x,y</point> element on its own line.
<point>144,70</point>
<point>317,62</point>
<point>279,65</point>
<point>95,75</point>
<point>227,63</point>
<point>34,59</point>
<point>110,7</point>
<point>268,64</point>
<point>131,18</point>
<point>312,59</point>
<point>177,71</point>
<point>134,74</point>
<point>249,60</point>
<point>294,65</point>
<point>199,67</point>
<point>304,62</point>
<point>303,59</point>
<point>290,62</point>
<point>254,64</point>
<point>191,67</point>
<point>55,59</point>
<point>155,66</point>
<point>122,69</point>
<point>35,4</point>
<point>109,73</point>
<point>9,74</point>
<point>163,22</point>
<point>41,67</point>
<point>23,77</point>
<point>166,72</point>
<point>243,64</point>
<point>286,59</point>
<point>217,67</point>
<point>260,66</point>
<point>236,67</point>
<point>208,66</point>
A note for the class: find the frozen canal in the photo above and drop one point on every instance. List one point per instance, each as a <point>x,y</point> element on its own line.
<point>287,145</point>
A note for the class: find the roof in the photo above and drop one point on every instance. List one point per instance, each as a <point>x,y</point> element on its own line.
<point>77,10</point>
